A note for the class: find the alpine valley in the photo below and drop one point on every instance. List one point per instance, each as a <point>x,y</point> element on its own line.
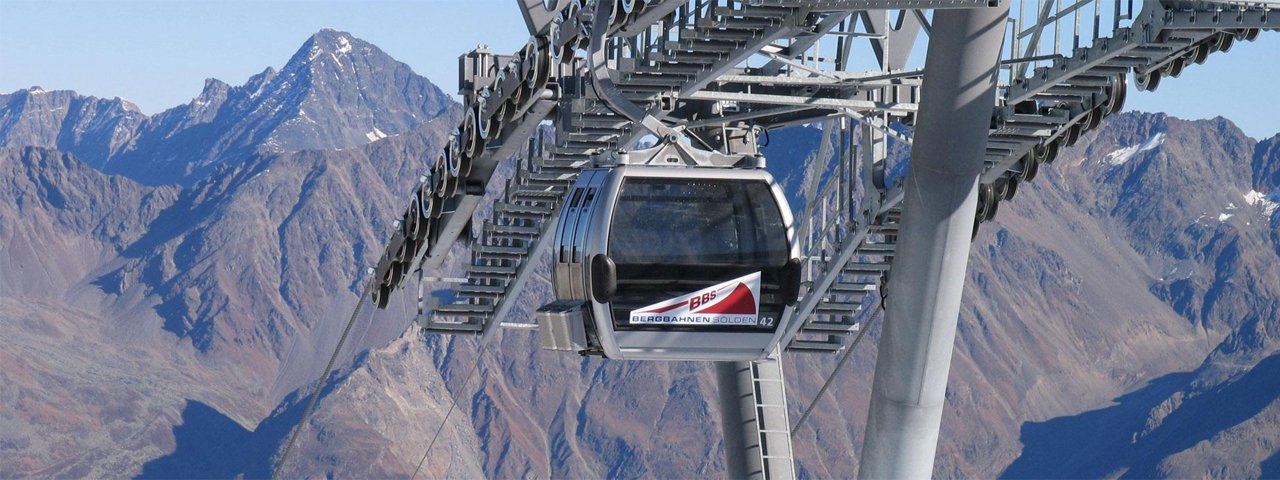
<point>171,286</point>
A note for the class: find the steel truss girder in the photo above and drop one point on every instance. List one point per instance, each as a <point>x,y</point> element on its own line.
<point>771,103</point>
<point>1222,19</point>
<point>848,82</point>
<point>790,98</point>
<point>852,5</point>
<point>1017,141</point>
<point>799,101</point>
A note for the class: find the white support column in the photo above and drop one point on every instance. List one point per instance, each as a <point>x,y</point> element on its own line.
<point>940,198</point>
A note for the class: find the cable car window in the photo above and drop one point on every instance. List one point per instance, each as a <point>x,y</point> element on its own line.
<point>697,222</point>
<point>673,236</point>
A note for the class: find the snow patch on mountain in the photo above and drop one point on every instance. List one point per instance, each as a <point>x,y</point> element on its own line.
<point>1268,203</point>
<point>1123,155</point>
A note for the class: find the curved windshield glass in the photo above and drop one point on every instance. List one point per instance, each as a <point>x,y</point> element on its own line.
<point>697,222</point>
<point>671,237</point>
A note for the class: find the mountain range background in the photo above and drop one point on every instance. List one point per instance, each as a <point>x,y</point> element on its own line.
<point>172,285</point>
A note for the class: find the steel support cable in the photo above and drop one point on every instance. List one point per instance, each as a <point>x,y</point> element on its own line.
<point>840,364</point>
<point>491,329</point>
<point>324,378</point>
<point>453,405</point>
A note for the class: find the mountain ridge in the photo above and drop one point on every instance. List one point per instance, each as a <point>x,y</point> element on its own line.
<point>335,92</point>
<point>224,291</point>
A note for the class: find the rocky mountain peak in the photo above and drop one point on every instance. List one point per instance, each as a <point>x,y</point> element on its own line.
<point>336,92</point>
<point>92,128</point>
<point>1266,165</point>
<point>256,83</point>
<point>335,50</point>
<point>334,41</point>
<point>213,88</point>
<point>126,105</point>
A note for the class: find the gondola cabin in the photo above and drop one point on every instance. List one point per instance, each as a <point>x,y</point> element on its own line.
<point>672,263</point>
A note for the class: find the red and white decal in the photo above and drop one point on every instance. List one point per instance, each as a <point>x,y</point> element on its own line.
<point>735,302</point>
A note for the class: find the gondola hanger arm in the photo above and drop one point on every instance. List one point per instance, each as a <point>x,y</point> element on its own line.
<point>598,63</point>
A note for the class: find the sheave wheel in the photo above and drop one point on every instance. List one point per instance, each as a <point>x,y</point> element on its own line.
<point>1147,82</point>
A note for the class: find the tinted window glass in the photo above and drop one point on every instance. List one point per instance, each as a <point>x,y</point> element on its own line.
<point>697,222</point>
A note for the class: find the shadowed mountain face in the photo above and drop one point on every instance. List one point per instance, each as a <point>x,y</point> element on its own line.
<point>63,218</point>
<point>92,129</point>
<point>1195,228</point>
<point>1120,315</point>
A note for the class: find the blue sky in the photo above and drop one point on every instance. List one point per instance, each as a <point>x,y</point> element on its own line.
<point>158,53</point>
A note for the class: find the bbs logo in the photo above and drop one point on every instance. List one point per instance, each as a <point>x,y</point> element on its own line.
<point>701,300</point>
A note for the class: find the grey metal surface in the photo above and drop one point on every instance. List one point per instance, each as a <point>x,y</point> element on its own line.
<point>665,53</point>
<point>753,418</point>
<point>738,421</point>
<point>584,232</point>
<point>560,326</point>
<point>1072,89</point>
<point>940,198</point>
